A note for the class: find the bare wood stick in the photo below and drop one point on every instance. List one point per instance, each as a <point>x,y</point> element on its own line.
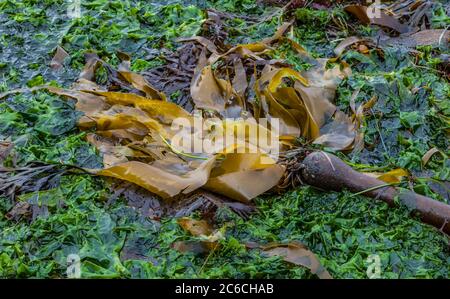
<point>328,172</point>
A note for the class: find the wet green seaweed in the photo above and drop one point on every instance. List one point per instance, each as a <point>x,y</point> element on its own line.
<point>409,117</point>
<point>43,128</point>
<point>116,241</point>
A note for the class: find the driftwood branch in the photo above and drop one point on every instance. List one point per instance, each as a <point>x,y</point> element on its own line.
<point>328,172</point>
